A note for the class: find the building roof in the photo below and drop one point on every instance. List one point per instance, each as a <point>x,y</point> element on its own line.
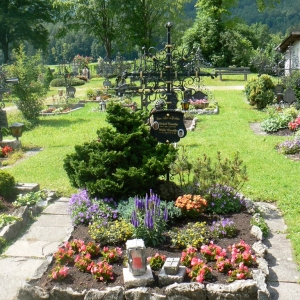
<point>283,46</point>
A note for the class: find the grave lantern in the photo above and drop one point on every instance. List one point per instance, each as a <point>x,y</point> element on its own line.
<point>185,104</point>
<point>136,253</point>
<point>16,129</point>
<point>102,105</point>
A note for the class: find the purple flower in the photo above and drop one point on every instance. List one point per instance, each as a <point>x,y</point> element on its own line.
<point>166,215</point>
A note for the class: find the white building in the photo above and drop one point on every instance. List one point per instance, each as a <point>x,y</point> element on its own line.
<point>290,46</point>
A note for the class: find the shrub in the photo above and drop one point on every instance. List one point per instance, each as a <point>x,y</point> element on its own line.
<point>48,78</point>
<point>191,205</point>
<point>223,199</point>
<point>29,199</point>
<point>61,82</point>
<point>90,93</point>
<point>260,91</point>
<point>223,228</point>
<point>7,186</point>
<point>124,161</point>
<point>193,234</point>
<point>84,210</point>
<point>209,175</point>
<point>289,147</point>
<point>112,232</point>
<point>30,90</point>
<point>278,119</point>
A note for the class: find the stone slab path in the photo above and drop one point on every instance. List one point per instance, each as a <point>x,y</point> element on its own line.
<point>21,260</point>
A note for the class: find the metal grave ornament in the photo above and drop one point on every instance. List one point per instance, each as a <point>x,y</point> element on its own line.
<point>167,126</point>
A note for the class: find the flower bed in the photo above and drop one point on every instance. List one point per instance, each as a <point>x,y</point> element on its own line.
<point>57,109</point>
<point>84,284</point>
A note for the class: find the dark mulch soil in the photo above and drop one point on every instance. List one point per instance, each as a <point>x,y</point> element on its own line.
<point>80,281</point>
<point>6,207</point>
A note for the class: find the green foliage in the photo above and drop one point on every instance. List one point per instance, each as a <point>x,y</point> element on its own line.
<point>48,77</point>
<point>260,222</point>
<point>149,220</point>
<point>7,219</point>
<point>278,119</point>
<point>7,186</point>
<point>2,243</point>
<point>260,91</point>
<point>289,146</point>
<point>112,232</point>
<point>224,228</point>
<point>60,82</point>
<point>30,90</point>
<point>29,199</point>
<point>193,234</point>
<point>124,161</point>
<point>85,210</point>
<point>220,173</point>
<point>125,208</point>
<point>25,21</point>
<point>90,93</point>
<point>157,261</point>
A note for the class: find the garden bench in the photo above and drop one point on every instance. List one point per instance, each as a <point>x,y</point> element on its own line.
<point>233,71</point>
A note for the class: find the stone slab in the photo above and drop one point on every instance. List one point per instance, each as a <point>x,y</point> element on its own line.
<point>284,290</point>
<point>132,281</point>
<point>63,199</point>
<point>52,221</point>
<point>39,249</point>
<point>51,234</point>
<point>57,208</point>
<point>24,188</point>
<point>165,279</point>
<point>17,270</point>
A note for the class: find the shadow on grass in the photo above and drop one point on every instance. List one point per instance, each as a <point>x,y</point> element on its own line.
<point>56,123</point>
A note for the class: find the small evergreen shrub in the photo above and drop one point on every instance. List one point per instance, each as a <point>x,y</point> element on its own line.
<point>124,161</point>
<point>260,91</point>
<point>7,186</point>
<point>48,78</point>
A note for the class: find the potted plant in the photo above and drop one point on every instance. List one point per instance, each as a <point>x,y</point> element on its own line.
<point>199,103</point>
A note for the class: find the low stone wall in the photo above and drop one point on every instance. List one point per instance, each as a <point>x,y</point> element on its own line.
<point>250,289</point>
<point>26,213</point>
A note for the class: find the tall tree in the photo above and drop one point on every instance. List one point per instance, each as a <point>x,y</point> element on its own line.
<point>144,20</point>
<point>96,17</point>
<point>24,20</point>
<point>218,33</point>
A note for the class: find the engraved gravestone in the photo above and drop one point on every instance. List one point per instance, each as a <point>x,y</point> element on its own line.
<point>167,126</point>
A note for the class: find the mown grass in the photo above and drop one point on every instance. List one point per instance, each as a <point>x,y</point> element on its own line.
<point>272,176</point>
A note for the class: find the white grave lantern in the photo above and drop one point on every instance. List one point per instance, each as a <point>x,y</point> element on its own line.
<point>136,253</point>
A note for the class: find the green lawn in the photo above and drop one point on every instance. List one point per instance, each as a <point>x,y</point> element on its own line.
<point>272,177</point>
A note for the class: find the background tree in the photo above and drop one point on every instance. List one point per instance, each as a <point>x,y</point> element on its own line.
<point>24,20</point>
<point>224,39</point>
<point>143,20</point>
<point>97,17</point>
<point>28,93</point>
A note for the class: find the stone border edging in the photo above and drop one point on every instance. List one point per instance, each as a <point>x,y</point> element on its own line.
<point>26,213</point>
<point>249,289</point>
